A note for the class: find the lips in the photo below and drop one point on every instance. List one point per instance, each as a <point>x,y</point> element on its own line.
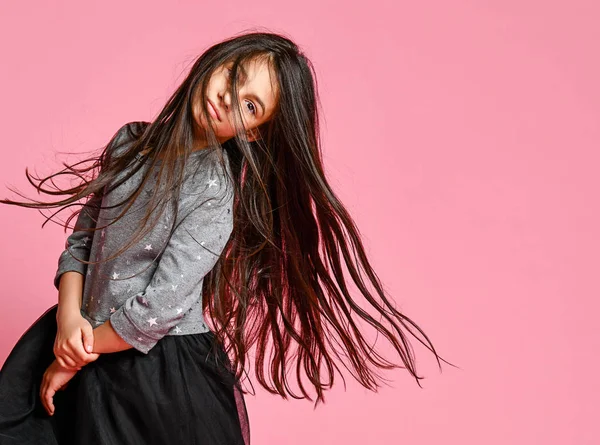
<point>215,112</point>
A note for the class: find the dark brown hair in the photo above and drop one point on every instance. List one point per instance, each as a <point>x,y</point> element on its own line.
<point>283,277</point>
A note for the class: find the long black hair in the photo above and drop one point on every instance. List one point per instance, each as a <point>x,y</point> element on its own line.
<point>282,281</point>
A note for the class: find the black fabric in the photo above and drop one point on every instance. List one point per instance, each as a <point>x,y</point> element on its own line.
<point>182,392</point>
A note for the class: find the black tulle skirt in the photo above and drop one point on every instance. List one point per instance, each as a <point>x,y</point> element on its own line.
<point>182,392</point>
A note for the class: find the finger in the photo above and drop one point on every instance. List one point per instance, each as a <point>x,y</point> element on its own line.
<point>83,357</point>
<point>48,397</point>
<point>92,357</point>
<point>74,350</point>
<point>63,364</point>
<point>43,397</point>
<point>88,338</point>
<point>71,363</point>
<point>44,403</point>
<point>68,361</point>
<point>79,356</point>
<point>62,352</point>
<point>42,390</point>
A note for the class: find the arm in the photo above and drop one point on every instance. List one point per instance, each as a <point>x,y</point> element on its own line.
<point>69,277</point>
<point>176,285</point>
<point>70,280</point>
<point>75,338</point>
<point>107,340</point>
<point>69,294</point>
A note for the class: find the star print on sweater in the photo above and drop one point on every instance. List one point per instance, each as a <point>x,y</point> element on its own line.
<point>154,288</point>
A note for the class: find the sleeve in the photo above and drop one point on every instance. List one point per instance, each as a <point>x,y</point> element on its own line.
<point>78,243</point>
<point>176,285</point>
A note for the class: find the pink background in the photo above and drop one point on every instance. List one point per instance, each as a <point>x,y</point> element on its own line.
<point>463,136</point>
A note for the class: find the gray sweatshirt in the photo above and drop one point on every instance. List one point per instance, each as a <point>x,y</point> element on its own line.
<point>148,295</point>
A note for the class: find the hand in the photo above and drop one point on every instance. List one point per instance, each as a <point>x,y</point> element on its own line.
<point>55,379</point>
<point>73,332</point>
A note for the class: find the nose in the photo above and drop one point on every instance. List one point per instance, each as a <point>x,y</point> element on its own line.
<point>225,99</point>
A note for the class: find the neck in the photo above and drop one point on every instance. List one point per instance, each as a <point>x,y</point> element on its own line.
<point>201,140</point>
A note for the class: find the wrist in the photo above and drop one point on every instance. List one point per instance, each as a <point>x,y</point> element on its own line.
<point>65,312</point>
<point>106,339</point>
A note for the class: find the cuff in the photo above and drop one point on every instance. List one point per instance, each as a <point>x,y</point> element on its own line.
<point>71,266</point>
<point>128,331</point>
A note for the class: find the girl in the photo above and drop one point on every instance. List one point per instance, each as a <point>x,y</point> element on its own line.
<point>219,206</point>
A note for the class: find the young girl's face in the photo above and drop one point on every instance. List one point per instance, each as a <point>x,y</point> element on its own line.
<point>257,99</point>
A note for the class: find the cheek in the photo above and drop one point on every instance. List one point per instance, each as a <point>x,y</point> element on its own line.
<point>203,121</point>
<point>222,129</point>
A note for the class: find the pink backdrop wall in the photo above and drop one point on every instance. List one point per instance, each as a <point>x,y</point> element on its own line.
<point>462,135</point>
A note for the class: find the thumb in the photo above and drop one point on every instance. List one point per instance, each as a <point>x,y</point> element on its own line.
<point>88,338</point>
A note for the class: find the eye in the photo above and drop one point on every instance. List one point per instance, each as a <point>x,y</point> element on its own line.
<point>253,111</point>
<point>253,108</point>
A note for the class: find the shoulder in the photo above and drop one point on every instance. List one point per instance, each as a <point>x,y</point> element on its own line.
<point>127,133</point>
<point>132,130</point>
